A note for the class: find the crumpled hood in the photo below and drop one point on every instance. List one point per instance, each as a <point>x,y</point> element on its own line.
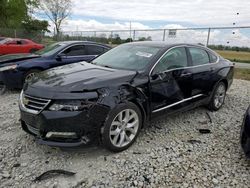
<point>78,77</point>
<point>16,58</point>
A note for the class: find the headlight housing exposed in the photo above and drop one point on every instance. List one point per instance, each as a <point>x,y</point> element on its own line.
<point>9,67</point>
<point>71,105</point>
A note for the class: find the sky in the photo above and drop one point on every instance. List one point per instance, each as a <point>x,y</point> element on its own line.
<point>154,14</point>
<point>116,14</point>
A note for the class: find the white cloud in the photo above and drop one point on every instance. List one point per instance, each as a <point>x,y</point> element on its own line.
<point>93,25</point>
<point>198,12</point>
<point>187,12</point>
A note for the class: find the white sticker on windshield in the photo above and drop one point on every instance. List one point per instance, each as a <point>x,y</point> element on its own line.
<point>144,54</point>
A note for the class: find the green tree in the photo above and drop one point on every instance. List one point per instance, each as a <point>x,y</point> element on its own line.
<point>34,25</point>
<point>57,11</point>
<point>12,13</point>
<point>17,14</point>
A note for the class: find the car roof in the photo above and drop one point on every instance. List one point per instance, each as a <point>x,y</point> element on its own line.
<point>82,42</point>
<point>164,44</point>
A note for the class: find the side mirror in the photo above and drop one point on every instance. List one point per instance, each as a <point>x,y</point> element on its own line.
<point>157,76</point>
<point>162,76</point>
<point>59,57</point>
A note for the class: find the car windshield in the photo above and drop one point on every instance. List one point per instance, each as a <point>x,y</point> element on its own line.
<point>49,50</point>
<point>128,57</point>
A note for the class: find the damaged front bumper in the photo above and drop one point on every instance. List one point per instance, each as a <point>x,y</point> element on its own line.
<point>64,128</point>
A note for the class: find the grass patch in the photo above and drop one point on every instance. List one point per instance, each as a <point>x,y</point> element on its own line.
<point>243,74</point>
<point>243,57</point>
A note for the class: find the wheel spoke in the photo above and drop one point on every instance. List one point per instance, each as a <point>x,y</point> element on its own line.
<point>131,130</point>
<point>115,132</point>
<point>116,123</point>
<point>132,116</point>
<point>115,139</point>
<point>120,117</point>
<point>127,115</point>
<point>122,138</point>
<point>131,125</point>
<point>127,138</point>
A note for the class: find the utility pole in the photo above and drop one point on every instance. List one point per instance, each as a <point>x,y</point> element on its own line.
<point>130,34</point>
<point>208,36</point>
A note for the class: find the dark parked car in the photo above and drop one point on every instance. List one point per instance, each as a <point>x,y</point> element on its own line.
<point>15,69</point>
<point>112,98</point>
<point>245,134</point>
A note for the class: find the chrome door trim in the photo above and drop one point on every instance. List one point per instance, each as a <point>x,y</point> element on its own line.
<point>179,102</point>
<point>206,49</point>
<point>79,44</point>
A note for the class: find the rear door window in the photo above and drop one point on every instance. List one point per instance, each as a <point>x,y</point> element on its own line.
<point>213,58</point>
<point>199,56</point>
<point>95,50</point>
<point>77,50</point>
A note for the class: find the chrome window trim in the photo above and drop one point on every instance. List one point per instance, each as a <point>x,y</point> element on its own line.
<point>81,45</point>
<point>185,46</point>
<point>176,103</point>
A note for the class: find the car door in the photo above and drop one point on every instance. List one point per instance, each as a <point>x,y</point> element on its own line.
<point>201,70</point>
<point>12,47</point>
<point>170,81</point>
<point>72,54</point>
<point>24,47</point>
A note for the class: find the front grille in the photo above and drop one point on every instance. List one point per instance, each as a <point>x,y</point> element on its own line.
<point>33,104</point>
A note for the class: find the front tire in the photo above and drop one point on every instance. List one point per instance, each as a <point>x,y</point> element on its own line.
<point>218,97</point>
<point>122,127</point>
<point>30,74</point>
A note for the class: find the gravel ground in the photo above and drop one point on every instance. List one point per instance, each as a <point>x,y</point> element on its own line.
<point>169,153</point>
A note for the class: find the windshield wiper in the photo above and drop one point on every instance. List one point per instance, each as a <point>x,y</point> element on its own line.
<point>107,66</point>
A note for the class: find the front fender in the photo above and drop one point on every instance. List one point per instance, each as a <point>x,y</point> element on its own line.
<point>125,94</point>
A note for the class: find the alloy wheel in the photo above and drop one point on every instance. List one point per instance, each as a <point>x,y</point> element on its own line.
<point>124,128</point>
<point>219,96</point>
<point>30,76</point>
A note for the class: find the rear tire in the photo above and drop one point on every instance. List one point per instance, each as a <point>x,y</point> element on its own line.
<point>122,127</point>
<point>218,97</point>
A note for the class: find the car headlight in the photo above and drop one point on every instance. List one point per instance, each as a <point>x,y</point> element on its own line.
<point>9,67</point>
<point>73,105</point>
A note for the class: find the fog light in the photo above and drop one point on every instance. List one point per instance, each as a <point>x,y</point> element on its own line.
<point>61,135</point>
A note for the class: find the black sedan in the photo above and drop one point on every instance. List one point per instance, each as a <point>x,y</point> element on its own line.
<point>112,98</point>
<point>245,134</point>
<point>18,68</point>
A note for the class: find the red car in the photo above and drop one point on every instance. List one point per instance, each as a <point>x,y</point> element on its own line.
<point>15,45</point>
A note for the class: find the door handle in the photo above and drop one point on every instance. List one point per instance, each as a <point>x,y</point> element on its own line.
<point>186,74</point>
